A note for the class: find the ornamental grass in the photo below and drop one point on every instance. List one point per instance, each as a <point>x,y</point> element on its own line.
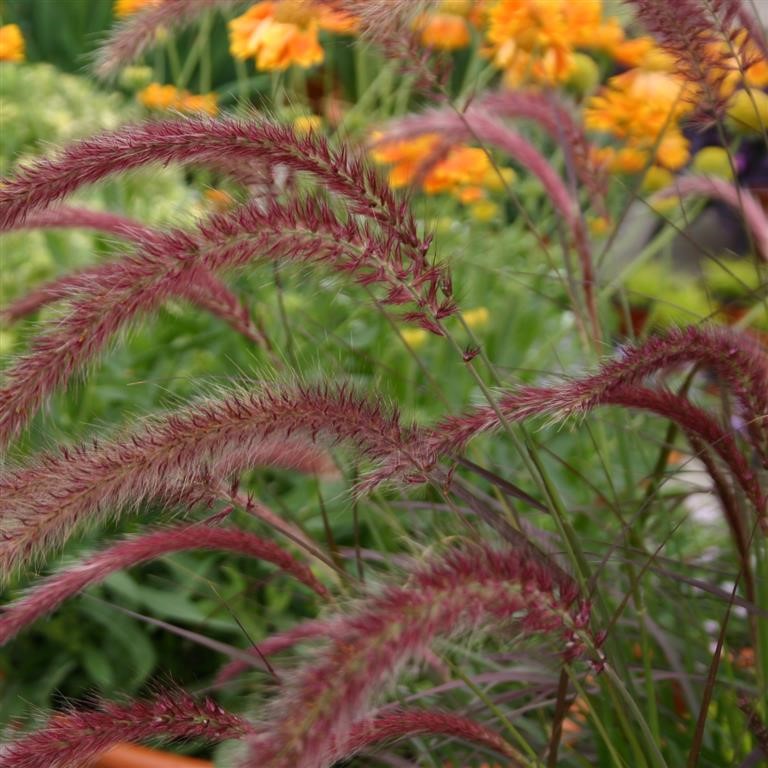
<point>384,430</point>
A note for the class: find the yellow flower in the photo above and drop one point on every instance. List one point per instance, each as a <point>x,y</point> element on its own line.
<point>642,52</point>
<point>642,109</point>
<point>748,111</point>
<point>656,178</point>
<point>306,123</point>
<point>736,62</point>
<point>127,7</point>
<point>598,225</point>
<point>484,211</point>
<point>157,96</point>
<point>713,161</point>
<point>279,33</point>
<point>405,156</point>
<point>493,182</point>
<point>476,318</point>
<point>529,40</point>
<point>465,172</point>
<point>414,337</point>
<point>11,43</point>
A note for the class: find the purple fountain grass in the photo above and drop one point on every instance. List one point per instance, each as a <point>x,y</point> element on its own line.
<point>262,512</point>
<point>74,738</point>
<point>581,396</point>
<point>207,291</point>
<point>67,217</point>
<point>736,358</point>
<point>389,725</point>
<point>50,593</point>
<point>699,35</point>
<point>739,198</point>
<point>178,459</point>
<point>544,109</point>
<point>475,123</point>
<point>391,26</point>
<point>479,586</point>
<point>312,629</point>
<point>554,116</point>
<point>204,141</point>
<point>304,230</point>
<point>139,31</point>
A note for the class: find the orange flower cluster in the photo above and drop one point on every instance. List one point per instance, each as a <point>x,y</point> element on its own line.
<point>465,172</point>
<point>641,108</point>
<point>446,28</point>
<point>281,33</point>
<point>536,40</point>
<point>644,106</point>
<point>157,96</point>
<point>11,43</point>
<point>127,7</point>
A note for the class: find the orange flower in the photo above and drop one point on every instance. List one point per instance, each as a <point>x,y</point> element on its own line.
<point>463,166</point>
<point>529,39</point>
<point>219,199</point>
<point>444,31</point>
<point>11,43</point>
<point>127,7</point>
<point>642,109</point>
<point>535,40</point>
<point>157,96</point>
<point>406,157</point>
<point>642,52</point>
<point>739,62</point>
<point>465,172</point>
<point>279,33</point>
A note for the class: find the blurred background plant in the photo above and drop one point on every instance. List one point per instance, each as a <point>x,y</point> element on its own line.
<point>662,258</point>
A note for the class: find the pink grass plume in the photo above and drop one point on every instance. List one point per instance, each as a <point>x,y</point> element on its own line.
<point>206,290</point>
<point>50,593</point>
<point>72,738</point>
<point>738,198</point>
<point>480,124</point>
<point>177,459</point>
<point>132,37</point>
<point>388,725</point>
<point>467,589</point>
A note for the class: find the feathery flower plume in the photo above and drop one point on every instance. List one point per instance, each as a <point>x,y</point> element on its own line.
<point>475,123</point>
<point>102,221</point>
<point>468,589</point>
<point>737,359</point>
<point>50,593</point>
<point>308,630</point>
<point>394,724</point>
<point>73,738</point>
<point>453,433</point>
<point>392,25</point>
<point>206,291</point>
<point>204,140</point>
<point>140,30</point>
<point>181,456</point>
<point>166,266</point>
<point>544,109</point>
<point>738,198</point>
